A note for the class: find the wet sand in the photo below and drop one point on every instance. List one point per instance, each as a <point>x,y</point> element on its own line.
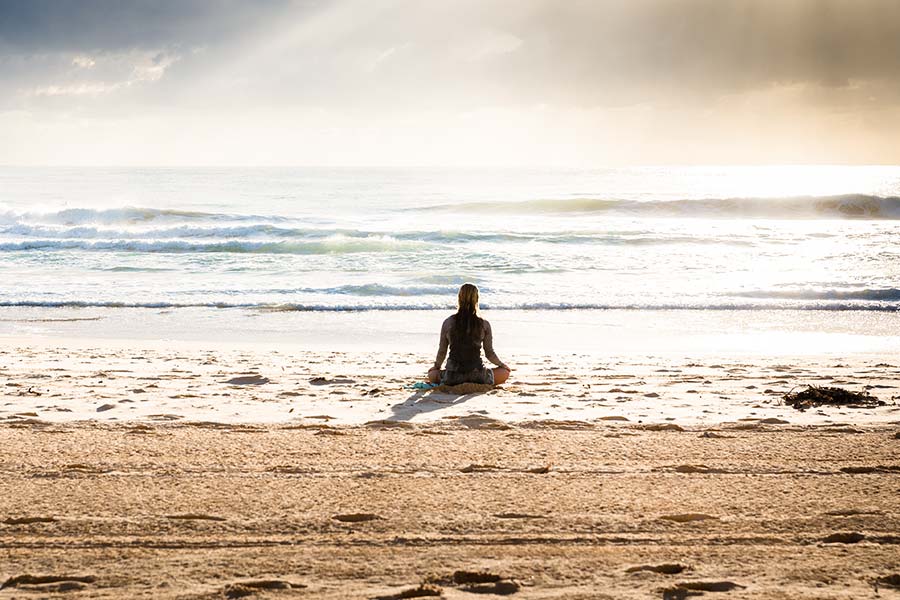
<point>209,511</point>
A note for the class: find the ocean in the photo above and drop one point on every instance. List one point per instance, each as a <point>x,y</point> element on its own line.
<point>318,239</point>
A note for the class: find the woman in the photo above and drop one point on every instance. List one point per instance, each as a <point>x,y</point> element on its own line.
<point>465,333</point>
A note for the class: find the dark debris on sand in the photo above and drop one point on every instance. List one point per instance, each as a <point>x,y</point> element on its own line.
<point>815,395</point>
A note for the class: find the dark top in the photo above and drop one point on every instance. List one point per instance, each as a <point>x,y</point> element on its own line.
<point>465,353</point>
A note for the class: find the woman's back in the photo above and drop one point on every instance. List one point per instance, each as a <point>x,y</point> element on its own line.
<point>465,340</point>
<point>464,334</point>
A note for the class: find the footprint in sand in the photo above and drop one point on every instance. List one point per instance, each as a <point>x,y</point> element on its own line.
<point>356,517</point>
<point>696,469</point>
<point>852,537</point>
<point>688,517</point>
<point>852,512</point>
<point>539,470</point>
<point>250,379</point>
<point>866,470</point>
<point>664,569</point>
<point>165,417</point>
<point>424,590</point>
<point>388,424</point>
<point>475,468</point>
<point>326,381</point>
<point>195,517</point>
<point>484,582</point>
<point>662,427</point>
<point>60,583</point>
<point>709,586</point>
<point>464,577</point>
<point>501,588</point>
<point>242,589</point>
<point>472,421</point>
<point>29,520</point>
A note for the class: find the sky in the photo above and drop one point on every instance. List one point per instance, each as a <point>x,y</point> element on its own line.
<point>561,83</point>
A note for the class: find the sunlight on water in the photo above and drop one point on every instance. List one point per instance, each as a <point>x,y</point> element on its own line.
<point>782,181</point>
<point>745,238</point>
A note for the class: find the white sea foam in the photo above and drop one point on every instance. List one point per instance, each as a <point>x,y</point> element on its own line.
<point>331,245</point>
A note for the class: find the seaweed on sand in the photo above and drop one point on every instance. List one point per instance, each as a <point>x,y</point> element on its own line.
<point>815,395</point>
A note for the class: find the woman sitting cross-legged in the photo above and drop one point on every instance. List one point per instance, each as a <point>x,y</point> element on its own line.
<point>465,333</point>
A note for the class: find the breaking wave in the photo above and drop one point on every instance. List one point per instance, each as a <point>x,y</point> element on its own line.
<point>534,306</point>
<point>872,295</point>
<point>334,245</point>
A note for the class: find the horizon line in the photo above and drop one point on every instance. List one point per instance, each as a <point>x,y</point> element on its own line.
<point>448,167</point>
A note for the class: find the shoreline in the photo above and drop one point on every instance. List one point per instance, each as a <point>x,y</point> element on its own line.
<point>613,333</point>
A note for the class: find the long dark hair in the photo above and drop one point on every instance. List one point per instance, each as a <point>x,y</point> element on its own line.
<point>467,320</point>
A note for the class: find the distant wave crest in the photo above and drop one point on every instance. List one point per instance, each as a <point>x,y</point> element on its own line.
<point>88,221</point>
<point>125,215</point>
<point>849,206</point>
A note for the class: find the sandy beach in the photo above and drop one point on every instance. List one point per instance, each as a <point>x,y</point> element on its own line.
<point>110,381</point>
<point>170,471</point>
<point>544,510</point>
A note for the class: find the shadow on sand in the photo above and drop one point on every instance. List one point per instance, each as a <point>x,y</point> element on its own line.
<point>425,401</point>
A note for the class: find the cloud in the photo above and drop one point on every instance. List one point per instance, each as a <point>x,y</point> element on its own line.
<point>578,52</point>
<point>90,77</point>
<point>630,73</point>
<point>41,26</point>
<point>85,62</point>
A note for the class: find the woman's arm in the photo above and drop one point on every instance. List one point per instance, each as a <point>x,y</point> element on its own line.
<point>489,346</point>
<point>443,345</point>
